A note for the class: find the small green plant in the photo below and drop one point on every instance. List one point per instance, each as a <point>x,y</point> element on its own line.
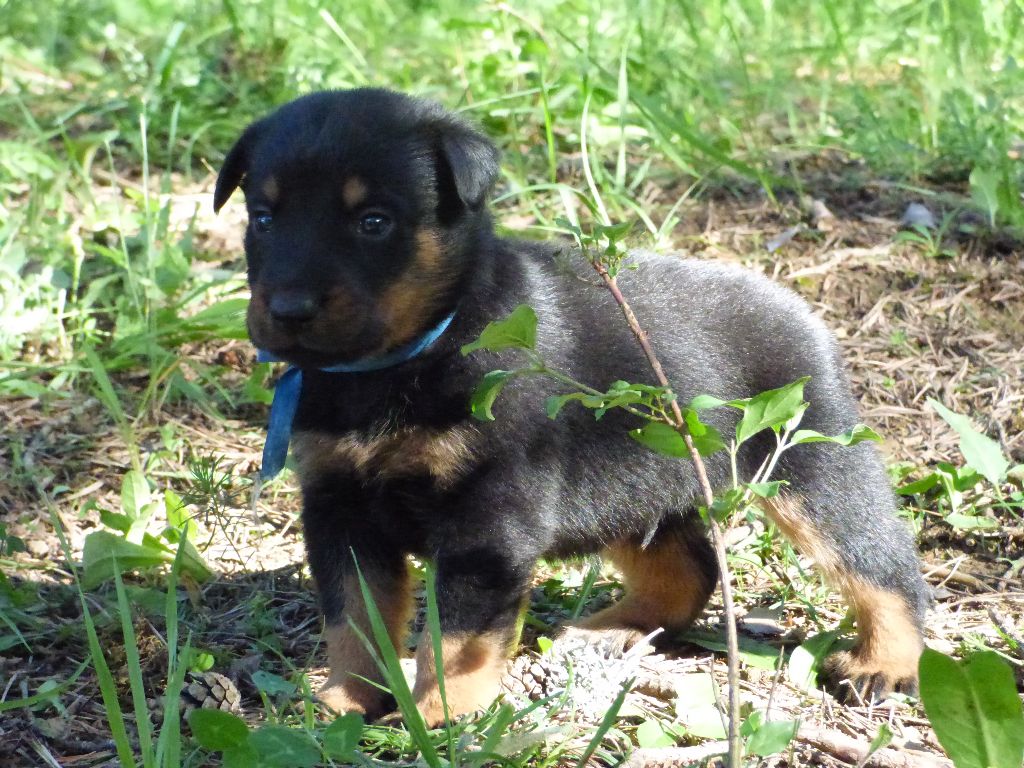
<point>128,545</point>
<point>930,240</point>
<point>984,461</point>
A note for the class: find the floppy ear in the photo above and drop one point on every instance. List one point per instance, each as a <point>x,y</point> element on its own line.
<point>236,164</point>
<point>472,160</point>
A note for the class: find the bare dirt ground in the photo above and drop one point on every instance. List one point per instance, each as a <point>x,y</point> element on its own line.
<point>913,325</point>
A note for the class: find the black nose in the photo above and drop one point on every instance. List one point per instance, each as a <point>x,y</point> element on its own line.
<point>293,306</point>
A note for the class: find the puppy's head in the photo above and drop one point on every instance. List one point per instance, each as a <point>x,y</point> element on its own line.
<point>365,208</point>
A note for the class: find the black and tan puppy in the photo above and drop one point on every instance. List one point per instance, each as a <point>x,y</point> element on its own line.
<point>368,237</point>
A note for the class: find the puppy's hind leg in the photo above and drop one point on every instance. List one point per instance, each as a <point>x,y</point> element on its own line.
<point>668,581</point>
<point>840,511</point>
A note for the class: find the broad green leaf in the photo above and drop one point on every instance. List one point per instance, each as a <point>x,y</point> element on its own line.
<point>554,404</point>
<point>281,747</point>
<point>272,684</point>
<point>661,438</point>
<point>970,522</point>
<point>772,737</point>
<point>103,548</point>
<point>919,486</point>
<point>980,451</point>
<point>974,708</point>
<point>650,734</point>
<point>806,659</point>
<point>192,562</point>
<point>766,490</point>
<point>706,402</point>
<point>134,493</point>
<point>697,706</point>
<point>487,392</point>
<point>518,330</point>
<point>706,439</point>
<point>858,434</point>
<point>116,520</point>
<point>752,652</point>
<point>771,410</point>
<point>242,756</point>
<point>342,736</point>
<point>177,514</point>
<point>215,729</point>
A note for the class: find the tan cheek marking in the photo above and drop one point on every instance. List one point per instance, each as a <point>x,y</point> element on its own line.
<point>353,192</point>
<point>417,293</point>
<point>271,189</point>
<point>444,455</point>
<point>888,639</point>
<point>473,666</point>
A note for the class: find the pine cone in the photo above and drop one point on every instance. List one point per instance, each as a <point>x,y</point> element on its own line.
<point>534,676</point>
<point>209,690</point>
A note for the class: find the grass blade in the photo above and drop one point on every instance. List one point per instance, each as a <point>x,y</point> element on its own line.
<point>138,690</point>
<point>392,670</point>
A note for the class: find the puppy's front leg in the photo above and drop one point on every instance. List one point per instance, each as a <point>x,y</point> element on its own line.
<point>337,539</point>
<point>479,594</point>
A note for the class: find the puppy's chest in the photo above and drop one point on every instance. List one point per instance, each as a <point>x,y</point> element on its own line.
<point>444,456</point>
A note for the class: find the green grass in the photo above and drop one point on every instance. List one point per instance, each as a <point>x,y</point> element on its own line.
<point>108,106</point>
<point>109,93</point>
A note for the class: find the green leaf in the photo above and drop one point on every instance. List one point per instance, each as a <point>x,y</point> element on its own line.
<point>487,392</point>
<point>271,684</point>
<point>706,439</point>
<point>554,404</point>
<point>706,402</point>
<point>242,756</point>
<point>974,709</point>
<point>882,739</point>
<point>518,330</point>
<point>752,652</point>
<point>115,520</point>
<point>771,738</point>
<point>661,438</point>
<point>104,553</point>
<point>650,734</point>
<point>858,434</point>
<point>964,522</point>
<point>342,736</point>
<point>134,493</point>
<point>215,729</point>
<point>771,410</point>
<point>806,659</point>
<point>985,191</point>
<point>281,747</point>
<point>980,451</point>
<point>177,514</point>
<point>766,490</point>
<point>696,706</point>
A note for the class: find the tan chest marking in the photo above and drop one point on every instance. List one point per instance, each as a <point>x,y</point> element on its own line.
<point>444,455</point>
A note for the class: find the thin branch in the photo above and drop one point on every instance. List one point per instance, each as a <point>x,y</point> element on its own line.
<point>732,643</point>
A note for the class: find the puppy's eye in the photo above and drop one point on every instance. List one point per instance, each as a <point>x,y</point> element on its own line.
<point>375,225</point>
<point>262,222</point>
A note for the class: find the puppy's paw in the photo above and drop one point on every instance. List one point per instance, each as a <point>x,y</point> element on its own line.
<point>353,696</point>
<point>854,678</point>
<point>463,700</point>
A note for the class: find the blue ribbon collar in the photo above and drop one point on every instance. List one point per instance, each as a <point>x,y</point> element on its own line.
<point>289,387</point>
